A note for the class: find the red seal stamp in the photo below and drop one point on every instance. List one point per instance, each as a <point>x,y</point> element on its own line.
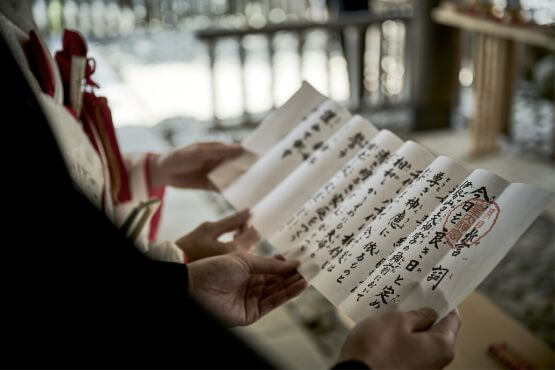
<point>469,222</point>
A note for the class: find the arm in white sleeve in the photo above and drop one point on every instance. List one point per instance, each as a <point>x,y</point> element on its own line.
<point>167,252</point>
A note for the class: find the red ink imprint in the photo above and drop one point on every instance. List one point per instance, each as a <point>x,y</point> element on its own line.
<point>467,213</point>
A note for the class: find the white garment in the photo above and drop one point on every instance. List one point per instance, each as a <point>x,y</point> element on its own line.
<point>87,171</point>
<point>83,161</point>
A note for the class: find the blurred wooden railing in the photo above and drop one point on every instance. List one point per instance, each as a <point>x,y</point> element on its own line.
<point>390,50</point>
<point>112,18</point>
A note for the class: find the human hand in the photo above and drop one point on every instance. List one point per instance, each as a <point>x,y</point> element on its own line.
<point>188,167</point>
<point>203,241</point>
<point>240,288</point>
<point>403,340</point>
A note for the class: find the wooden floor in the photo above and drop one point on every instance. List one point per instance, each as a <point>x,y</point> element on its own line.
<point>484,324</point>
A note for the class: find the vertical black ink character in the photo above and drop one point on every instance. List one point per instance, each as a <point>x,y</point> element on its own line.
<point>330,235</point>
<point>327,116</point>
<point>412,265</point>
<point>336,200</point>
<point>382,155</point>
<point>413,203</point>
<point>322,212</point>
<point>380,262</point>
<point>396,221</point>
<point>379,210</point>
<point>437,275</point>
<point>456,217</point>
<point>388,174</point>
<point>386,292</point>
<point>356,140</point>
<point>347,239</point>
<point>434,181</point>
<point>442,199</point>
<point>396,258</point>
<point>398,280</point>
<point>334,252</point>
<point>371,248</point>
<point>483,192</point>
<point>401,163</point>
<point>467,206</point>
<point>438,237</point>
<point>467,239</point>
<point>299,144</point>
<point>286,153</point>
<point>365,173</point>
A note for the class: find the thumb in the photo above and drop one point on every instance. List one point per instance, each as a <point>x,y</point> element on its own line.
<point>449,326</point>
<point>268,265</point>
<point>222,151</point>
<point>421,319</point>
<point>231,223</point>
<point>246,238</point>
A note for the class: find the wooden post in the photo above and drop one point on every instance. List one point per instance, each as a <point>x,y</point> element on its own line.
<point>242,59</point>
<point>211,61</point>
<point>436,58</point>
<point>352,37</point>
<point>494,72</point>
<point>270,38</point>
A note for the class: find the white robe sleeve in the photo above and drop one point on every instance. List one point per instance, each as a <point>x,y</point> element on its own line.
<point>140,191</point>
<point>166,251</point>
<point>136,167</point>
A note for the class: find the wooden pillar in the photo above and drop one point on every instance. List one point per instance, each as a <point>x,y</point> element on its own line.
<point>211,45</point>
<point>270,38</point>
<point>494,74</point>
<point>243,78</point>
<point>354,37</point>
<point>435,65</point>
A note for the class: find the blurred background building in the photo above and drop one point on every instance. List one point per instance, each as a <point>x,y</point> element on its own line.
<point>472,79</point>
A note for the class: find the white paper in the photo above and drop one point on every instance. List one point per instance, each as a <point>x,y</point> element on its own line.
<point>351,223</point>
<point>378,224</point>
<point>328,198</point>
<point>274,209</point>
<point>270,131</point>
<point>286,155</point>
<point>518,206</point>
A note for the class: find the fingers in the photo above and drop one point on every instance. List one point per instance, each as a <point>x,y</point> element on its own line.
<point>273,286</point>
<point>270,280</point>
<point>246,238</point>
<point>281,296</point>
<point>230,223</point>
<point>267,265</point>
<point>449,326</point>
<point>421,319</point>
<point>219,151</point>
<point>443,336</point>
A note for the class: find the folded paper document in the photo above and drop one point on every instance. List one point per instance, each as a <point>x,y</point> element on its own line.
<point>378,223</point>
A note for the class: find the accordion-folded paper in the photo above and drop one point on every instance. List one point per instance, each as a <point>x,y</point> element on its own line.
<point>378,223</point>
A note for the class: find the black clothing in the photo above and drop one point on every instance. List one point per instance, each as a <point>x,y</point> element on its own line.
<point>74,291</point>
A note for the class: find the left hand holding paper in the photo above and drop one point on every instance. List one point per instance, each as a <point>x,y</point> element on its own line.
<point>240,288</point>
<point>204,241</point>
<point>188,167</point>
